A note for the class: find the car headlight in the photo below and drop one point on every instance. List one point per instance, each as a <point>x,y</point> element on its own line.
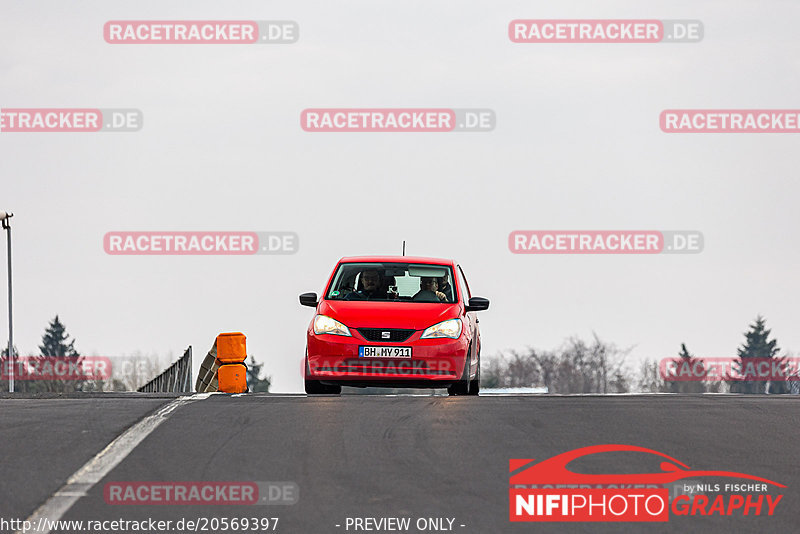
<point>450,328</point>
<point>325,325</point>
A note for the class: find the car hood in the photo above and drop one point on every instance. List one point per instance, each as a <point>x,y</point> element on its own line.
<point>371,314</point>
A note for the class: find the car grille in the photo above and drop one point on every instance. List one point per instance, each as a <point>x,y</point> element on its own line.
<point>396,335</point>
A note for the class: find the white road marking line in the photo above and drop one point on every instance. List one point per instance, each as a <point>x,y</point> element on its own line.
<point>94,470</point>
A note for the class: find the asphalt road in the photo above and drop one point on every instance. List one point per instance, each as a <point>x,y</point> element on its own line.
<point>393,456</point>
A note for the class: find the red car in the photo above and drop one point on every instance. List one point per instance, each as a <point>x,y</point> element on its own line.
<point>394,321</point>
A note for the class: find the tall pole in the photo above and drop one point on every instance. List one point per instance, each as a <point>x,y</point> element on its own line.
<point>7,226</point>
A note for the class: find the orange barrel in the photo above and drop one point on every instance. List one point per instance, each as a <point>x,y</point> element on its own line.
<point>231,347</point>
<point>231,355</point>
<point>232,378</point>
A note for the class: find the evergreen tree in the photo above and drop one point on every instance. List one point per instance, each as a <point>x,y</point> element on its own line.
<point>697,369</point>
<point>757,345</point>
<point>254,383</point>
<point>56,343</point>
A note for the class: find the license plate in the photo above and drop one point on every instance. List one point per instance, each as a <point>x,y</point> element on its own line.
<point>384,352</point>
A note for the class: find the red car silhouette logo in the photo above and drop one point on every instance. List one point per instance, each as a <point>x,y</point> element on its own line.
<point>554,470</point>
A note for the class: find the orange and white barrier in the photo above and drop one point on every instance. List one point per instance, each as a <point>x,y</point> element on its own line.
<point>223,368</point>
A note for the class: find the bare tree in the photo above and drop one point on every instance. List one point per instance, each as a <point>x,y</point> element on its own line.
<point>650,379</point>
<point>515,369</point>
<point>577,367</point>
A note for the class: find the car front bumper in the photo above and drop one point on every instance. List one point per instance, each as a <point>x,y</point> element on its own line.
<point>433,363</point>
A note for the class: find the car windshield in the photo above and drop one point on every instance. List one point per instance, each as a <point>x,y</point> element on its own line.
<point>393,282</point>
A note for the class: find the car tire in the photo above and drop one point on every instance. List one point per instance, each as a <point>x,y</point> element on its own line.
<point>462,386</point>
<point>475,383</point>
<point>315,387</point>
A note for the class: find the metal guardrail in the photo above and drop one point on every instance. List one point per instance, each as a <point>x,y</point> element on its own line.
<point>207,377</point>
<point>177,378</point>
<point>794,384</point>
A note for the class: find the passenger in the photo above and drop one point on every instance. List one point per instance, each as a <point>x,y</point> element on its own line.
<point>446,288</point>
<point>428,287</point>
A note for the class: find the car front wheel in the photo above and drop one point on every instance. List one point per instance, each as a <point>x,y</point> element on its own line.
<point>462,386</point>
<point>475,383</point>
<point>315,387</point>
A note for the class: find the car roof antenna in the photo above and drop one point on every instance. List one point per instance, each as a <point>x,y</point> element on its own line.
<point>404,247</point>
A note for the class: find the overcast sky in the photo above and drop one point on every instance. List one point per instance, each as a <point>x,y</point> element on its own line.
<point>577,146</point>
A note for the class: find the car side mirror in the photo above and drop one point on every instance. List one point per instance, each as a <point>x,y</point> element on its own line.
<point>309,299</point>
<point>478,304</point>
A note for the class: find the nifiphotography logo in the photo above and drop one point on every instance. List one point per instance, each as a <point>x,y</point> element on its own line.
<point>549,491</point>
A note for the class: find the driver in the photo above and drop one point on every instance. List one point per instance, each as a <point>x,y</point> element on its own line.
<point>371,287</point>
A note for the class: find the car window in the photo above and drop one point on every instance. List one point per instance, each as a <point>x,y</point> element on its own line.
<point>392,282</point>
